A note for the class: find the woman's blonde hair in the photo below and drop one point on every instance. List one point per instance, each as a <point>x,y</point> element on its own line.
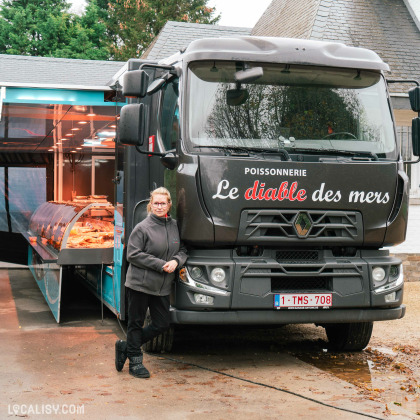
<point>161,191</point>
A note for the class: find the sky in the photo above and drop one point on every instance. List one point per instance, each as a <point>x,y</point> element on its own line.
<point>242,13</point>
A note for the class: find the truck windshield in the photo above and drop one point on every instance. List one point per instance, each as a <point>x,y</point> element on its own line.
<point>290,107</point>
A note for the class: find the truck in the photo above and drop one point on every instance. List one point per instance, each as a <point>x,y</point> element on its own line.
<point>282,158</point>
<point>287,183</point>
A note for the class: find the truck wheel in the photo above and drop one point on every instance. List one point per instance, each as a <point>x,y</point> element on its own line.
<point>161,343</point>
<point>353,336</point>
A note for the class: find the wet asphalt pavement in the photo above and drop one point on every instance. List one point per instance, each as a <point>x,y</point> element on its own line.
<point>66,370</point>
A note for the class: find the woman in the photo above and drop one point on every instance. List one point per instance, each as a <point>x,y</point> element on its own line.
<point>154,252</point>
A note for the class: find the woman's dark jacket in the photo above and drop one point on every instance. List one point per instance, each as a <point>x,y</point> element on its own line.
<point>153,243</point>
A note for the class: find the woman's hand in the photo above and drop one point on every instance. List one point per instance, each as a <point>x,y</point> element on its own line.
<point>170,266</point>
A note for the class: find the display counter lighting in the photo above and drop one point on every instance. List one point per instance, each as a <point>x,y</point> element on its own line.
<point>91,115</point>
<point>82,122</point>
<point>92,143</point>
<point>106,133</point>
<point>75,129</point>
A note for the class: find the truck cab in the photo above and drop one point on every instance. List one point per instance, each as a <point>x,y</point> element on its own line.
<point>282,160</point>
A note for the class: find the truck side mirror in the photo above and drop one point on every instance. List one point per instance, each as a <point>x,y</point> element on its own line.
<point>415,133</point>
<point>135,84</point>
<point>131,128</point>
<point>414,94</point>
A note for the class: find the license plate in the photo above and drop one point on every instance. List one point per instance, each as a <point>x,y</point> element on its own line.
<point>303,300</point>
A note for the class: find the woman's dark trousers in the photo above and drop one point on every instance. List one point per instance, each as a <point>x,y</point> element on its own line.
<point>138,302</point>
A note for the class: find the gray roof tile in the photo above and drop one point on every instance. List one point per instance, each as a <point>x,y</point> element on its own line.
<point>385,26</point>
<point>176,35</point>
<point>56,71</point>
<point>284,18</point>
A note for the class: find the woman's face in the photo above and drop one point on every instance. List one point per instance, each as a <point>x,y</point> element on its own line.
<point>160,205</point>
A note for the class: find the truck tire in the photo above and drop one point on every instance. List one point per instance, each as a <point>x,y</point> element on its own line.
<point>160,344</point>
<point>353,336</point>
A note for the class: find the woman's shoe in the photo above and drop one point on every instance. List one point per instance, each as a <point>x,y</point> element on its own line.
<point>120,354</point>
<point>137,369</point>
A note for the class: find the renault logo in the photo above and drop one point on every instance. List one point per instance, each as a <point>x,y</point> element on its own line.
<point>302,224</point>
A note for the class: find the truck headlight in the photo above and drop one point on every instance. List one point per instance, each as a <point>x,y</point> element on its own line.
<point>218,275</point>
<point>395,283</point>
<point>378,275</point>
<point>394,271</point>
<point>196,272</point>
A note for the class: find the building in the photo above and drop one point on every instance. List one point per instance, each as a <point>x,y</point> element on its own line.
<point>175,36</point>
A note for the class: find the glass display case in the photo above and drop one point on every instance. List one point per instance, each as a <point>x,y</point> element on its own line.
<point>74,233</point>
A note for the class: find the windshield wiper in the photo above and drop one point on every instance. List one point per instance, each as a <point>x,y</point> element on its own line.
<point>355,154</point>
<point>228,148</point>
<point>280,151</point>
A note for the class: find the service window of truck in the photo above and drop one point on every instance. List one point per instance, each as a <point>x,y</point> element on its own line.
<point>288,180</point>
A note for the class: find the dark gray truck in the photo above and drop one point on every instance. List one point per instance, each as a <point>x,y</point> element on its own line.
<point>282,159</point>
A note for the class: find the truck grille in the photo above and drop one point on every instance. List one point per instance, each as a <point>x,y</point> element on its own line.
<point>295,226</point>
<point>301,275</point>
<point>305,270</point>
<point>296,284</point>
<point>297,256</point>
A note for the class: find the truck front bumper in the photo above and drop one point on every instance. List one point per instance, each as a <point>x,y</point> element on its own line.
<point>278,317</point>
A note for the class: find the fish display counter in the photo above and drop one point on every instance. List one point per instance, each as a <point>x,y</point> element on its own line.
<point>65,237</point>
<point>77,232</point>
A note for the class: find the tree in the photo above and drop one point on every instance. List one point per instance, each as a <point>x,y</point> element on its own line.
<point>30,27</point>
<point>134,24</point>
<point>45,28</point>
<point>116,29</point>
<point>87,35</point>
